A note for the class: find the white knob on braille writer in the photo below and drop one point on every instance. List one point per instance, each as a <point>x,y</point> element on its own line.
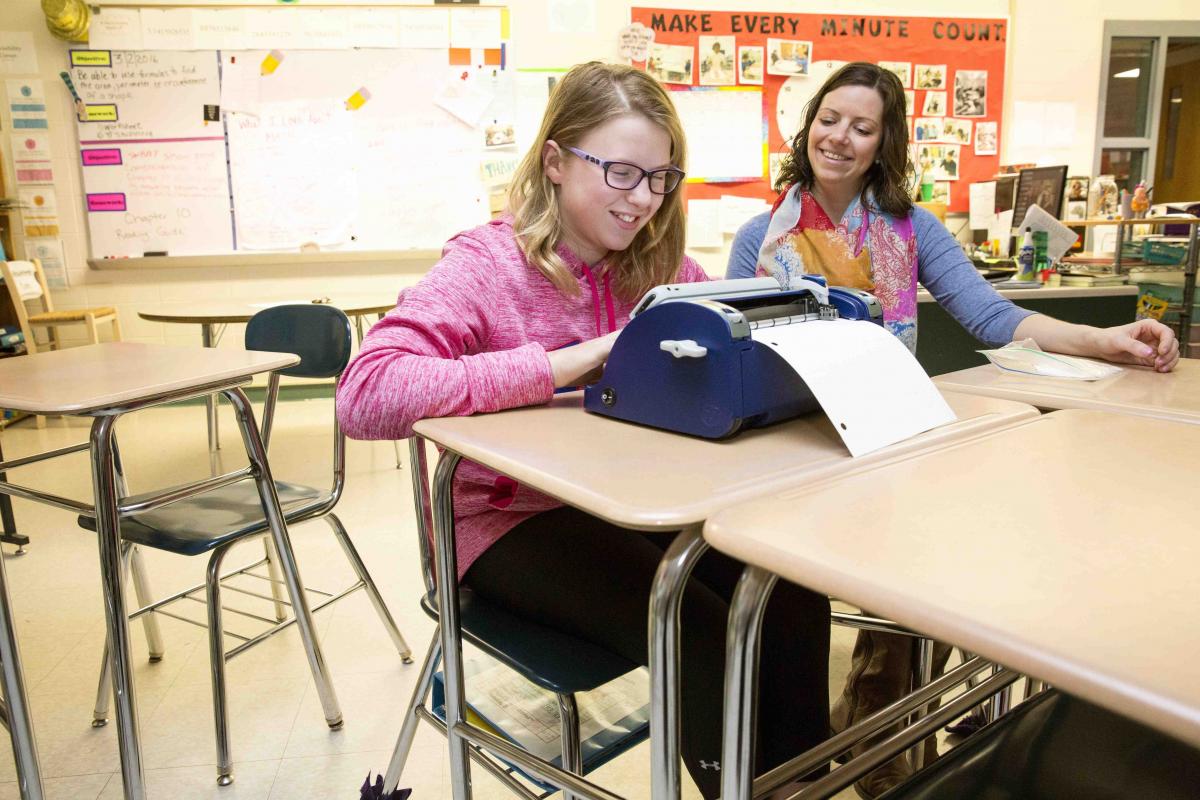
<point>684,348</point>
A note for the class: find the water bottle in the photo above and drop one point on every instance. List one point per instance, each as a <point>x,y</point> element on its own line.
<point>1025,270</point>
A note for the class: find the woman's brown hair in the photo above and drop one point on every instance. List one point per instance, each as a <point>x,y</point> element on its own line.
<point>887,181</point>
<point>583,99</point>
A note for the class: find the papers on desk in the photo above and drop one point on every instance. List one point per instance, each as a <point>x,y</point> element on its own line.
<point>868,383</point>
<point>1026,358</point>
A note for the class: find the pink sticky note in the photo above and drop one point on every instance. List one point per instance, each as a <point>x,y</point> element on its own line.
<point>111,201</point>
<point>106,157</point>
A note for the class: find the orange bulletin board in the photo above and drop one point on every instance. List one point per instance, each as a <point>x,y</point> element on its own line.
<point>798,51</point>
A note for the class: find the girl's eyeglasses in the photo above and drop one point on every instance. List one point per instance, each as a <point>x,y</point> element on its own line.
<point>620,175</point>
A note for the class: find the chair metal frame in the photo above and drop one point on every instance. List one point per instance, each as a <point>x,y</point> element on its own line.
<point>280,573</point>
<point>417,710</point>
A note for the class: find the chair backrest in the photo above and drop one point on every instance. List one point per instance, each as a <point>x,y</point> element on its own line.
<point>22,280</point>
<point>319,334</point>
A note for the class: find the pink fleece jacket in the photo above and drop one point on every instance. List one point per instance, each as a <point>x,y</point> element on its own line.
<point>472,337</point>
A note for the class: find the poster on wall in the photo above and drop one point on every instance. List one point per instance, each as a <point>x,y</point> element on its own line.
<point>952,70</point>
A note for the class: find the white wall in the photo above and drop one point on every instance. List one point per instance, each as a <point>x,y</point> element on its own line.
<point>1054,56</point>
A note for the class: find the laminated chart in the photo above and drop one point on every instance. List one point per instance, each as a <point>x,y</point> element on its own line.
<point>154,180</point>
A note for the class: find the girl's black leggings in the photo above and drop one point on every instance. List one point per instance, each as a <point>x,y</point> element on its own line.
<point>574,572</point>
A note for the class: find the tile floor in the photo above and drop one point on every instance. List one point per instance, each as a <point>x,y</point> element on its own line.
<point>282,747</point>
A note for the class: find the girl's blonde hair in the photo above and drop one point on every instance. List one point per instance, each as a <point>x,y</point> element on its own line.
<point>583,99</point>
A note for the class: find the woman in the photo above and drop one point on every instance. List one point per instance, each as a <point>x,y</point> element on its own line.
<point>530,303</point>
<point>850,163</point>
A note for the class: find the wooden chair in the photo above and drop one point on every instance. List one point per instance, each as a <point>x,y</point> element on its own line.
<point>21,290</point>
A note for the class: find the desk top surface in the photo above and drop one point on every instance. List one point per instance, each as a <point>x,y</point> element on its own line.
<point>1050,292</point>
<point>1075,563</point>
<point>109,375</point>
<point>647,479</point>
<point>226,311</point>
<point>1173,395</point>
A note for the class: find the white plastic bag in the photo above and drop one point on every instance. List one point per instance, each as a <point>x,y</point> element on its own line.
<point>1027,358</point>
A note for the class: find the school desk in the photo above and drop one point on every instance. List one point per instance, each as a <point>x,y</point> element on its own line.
<point>645,479</point>
<point>1063,548</point>
<point>1173,395</point>
<point>213,315</point>
<point>105,381</point>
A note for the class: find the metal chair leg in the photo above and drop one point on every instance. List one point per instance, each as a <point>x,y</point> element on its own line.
<point>741,680</point>
<point>1000,703</point>
<point>572,747</point>
<point>131,565</point>
<point>16,704</point>
<point>141,590</point>
<point>922,674</point>
<point>408,729</point>
<point>287,559</point>
<point>103,690</point>
<point>276,578</point>
<point>360,569</point>
<point>216,663</point>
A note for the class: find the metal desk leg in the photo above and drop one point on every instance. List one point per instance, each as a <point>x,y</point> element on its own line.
<point>16,704</point>
<point>8,525</point>
<point>741,681</point>
<point>665,598</point>
<point>452,658</point>
<point>108,533</point>
<point>210,402</point>
<point>287,559</point>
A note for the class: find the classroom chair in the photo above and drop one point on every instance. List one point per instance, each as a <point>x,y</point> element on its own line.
<point>555,661</point>
<point>1056,746</point>
<point>22,289</point>
<point>213,522</point>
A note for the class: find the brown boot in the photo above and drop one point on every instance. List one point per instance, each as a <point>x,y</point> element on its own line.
<point>880,674</point>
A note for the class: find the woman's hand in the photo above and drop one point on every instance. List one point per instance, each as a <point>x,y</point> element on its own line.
<point>580,363</point>
<point>1146,342</point>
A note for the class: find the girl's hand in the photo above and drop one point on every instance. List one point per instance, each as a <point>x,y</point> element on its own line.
<point>1146,342</point>
<point>576,365</point>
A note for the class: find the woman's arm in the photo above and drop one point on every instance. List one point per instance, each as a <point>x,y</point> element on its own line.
<point>428,356</point>
<point>743,254</point>
<point>995,320</point>
<point>1146,342</point>
<point>954,282</point>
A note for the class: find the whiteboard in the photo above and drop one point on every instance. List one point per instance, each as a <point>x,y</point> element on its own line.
<point>154,171</point>
<point>285,164</point>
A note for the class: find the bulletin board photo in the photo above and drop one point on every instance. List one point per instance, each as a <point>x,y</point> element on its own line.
<point>741,81</point>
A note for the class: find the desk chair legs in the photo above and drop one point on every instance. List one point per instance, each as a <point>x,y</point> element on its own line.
<point>132,567</point>
<point>572,748</point>
<point>408,730</point>
<point>452,657</point>
<point>665,600</point>
<point>108,536</point>
<point>360,570</point>
<point>287,559</point>
<point>276,578</point>
<point>15,706</point>
<point>741,680</point>
<point>216,663</point>
<point>922,675</point>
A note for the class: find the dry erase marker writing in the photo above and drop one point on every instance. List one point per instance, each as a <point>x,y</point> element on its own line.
<point>356,100</point>
<point>271,62</point>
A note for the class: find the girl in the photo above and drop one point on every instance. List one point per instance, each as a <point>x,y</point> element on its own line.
<point>531,303</point>
<point>846,213</point>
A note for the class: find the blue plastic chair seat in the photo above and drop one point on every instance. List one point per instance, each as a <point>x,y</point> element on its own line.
<point>202,524</point>
<point>549,658</point>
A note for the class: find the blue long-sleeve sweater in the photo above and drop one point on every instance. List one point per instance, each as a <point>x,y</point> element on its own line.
<point>941,268</point>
